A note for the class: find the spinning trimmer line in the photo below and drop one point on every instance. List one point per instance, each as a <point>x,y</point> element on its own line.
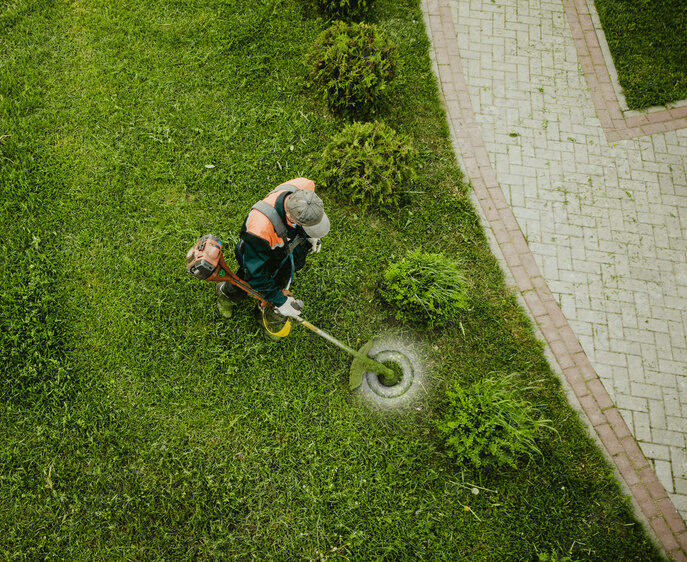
<point>205,261</point>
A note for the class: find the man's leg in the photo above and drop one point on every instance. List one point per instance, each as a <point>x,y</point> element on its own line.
<point>227,297</point>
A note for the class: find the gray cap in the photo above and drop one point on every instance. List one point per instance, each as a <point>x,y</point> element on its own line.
<point>307,209</point>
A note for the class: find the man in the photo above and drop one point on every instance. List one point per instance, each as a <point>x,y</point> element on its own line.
<point>275,240</point>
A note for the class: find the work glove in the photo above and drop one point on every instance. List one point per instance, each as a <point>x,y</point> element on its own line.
<point>291,308</point>
<point>315,245</point>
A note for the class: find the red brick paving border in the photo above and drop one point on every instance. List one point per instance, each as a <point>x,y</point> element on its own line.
<point>631,463</point>
<point>616,124</point>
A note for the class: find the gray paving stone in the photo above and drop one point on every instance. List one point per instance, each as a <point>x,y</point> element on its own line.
<point>657,414</point>
<point>611,357</point>
<point>681,486</point>
<point>668,437</point>
<point>680,502</point>
<point>678,457</point>
<point>671,402</point>
<point>621,381</point>
<point>642,429</point>
<point>665,474</point>
<point>646,391</point>
<point>655,451</point>
<point>635,403</point>
<point>678,424</point>
<point>673,367</point>
<point>680,354</point>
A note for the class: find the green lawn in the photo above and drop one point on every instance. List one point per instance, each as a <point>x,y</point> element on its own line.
<point>648,42</point>
<point>134,422</point>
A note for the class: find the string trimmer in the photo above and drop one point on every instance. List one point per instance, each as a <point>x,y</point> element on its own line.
<point>205,261</point>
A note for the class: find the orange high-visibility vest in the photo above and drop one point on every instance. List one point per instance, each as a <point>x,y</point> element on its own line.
<point>261,225</point>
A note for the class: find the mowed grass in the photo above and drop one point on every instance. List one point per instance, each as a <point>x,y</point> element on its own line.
<point>137,424</point>
<point>649,49</point>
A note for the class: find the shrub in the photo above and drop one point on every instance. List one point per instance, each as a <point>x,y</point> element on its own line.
<point>369,163</point>
<point>487,425</point>
<point>426,287</point>
<point>341,9</point>
<point>352,64</point>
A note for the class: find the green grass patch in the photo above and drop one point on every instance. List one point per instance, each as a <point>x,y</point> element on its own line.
<point>647,42</point>
<point>150,428</point>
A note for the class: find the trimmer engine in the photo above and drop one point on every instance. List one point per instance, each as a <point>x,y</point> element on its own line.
<point>205,260</point>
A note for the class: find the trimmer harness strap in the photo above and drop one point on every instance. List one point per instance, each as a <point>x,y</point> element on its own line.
<point>278,224</point>
<point>272,214</point>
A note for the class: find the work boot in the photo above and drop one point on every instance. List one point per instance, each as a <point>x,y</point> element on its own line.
<point>257,316</point>
<point>230,291</point>
<point>225,304</point>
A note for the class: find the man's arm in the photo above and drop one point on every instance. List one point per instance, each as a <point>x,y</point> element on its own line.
<point>257,273</point>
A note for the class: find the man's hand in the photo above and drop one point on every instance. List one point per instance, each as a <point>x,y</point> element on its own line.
<point>315,245</point>
<point>291,308</point>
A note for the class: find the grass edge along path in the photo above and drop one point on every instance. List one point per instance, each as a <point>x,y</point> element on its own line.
<point>648,54</point>
<point>192,437</point>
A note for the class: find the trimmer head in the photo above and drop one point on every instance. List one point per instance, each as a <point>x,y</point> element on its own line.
<point>381,390</point>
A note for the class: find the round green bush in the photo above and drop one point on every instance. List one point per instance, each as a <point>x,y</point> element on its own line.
<point>369,163</point>
<point>488,425</point>
<point>426,288</point>
<point>352,64</point>
<point>341,9</point>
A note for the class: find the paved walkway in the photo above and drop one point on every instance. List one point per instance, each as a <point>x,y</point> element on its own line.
<point>588,204</point>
